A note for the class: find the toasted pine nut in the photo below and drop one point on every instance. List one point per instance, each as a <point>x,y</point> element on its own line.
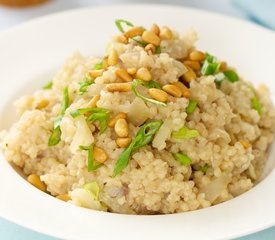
<point>42,104</point>
<point>184,90</point>
<point>172,90</point>
<point>122,74</point>
<point>223,66</point>
<point>132,71</point>
<point>245,144</point>
<point>196,55</point>
<point>96,73</point>
<point>158,94</point>
<point>100,155</point>
<point>35,180</point>
<point>63,197</point>
<point>121,128</point>
<point>192,64</point>
<point>113,58</point>
<point>119,87</point>
<point>150,37</point>
<point>144,74</point>
<point>121,39</point>
<point>113,120</point>
<point>123,142</point>
<point>166,33</point>
<point>155,29</point>
<point>150,48</point>
<point>93,101</point>
<point>133,32</point>
<point>189,75</point>
<point>105,63</point>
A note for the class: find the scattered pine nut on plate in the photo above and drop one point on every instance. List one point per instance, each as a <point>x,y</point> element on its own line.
<point>152,125</point>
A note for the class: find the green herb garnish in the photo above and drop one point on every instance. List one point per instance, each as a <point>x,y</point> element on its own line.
<point>231,75</point>
<point>185,133</point>
<point>99,65</point>
<point>48,86</point>
<point>151,84</point>
<point>191,106</point>
<point>210,65</point>
<point>93,189</point>
<point>91,166</point>
<point>56,135</point>
<point>136,82</point>
<point>119,23</point>
<point>143,137</point>
<point>103,119</point>
<point>158,50</point>
<point>203,168</point>
<point>140,41</point>
<point>256,104</point>
<point>83,86</point>
<point>183,159</point>
<point>81,111</point>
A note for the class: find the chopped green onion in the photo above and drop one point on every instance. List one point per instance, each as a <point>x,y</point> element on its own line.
<point>231,75</point>
<point>93,189</point>
<point>48,86</point>
<point>203,168</point>
<point>91,166</point>
<point>191,106</point>
<point>143,137</point>
<point>81,111</point>
<point>98,66</point>
<point>219,77</point>
<point>102,118</point>
<point>140,41</point>
<point>209,68</point>
<point>158,50</point>
<point>56,135</point>
<point>119,22</point>
<point>185,133</point>
<point>183,159</point>
<point>83,86</point>
<point>136,82</point>
<point>151,84</point>
<point>256,104</point>
<point>210,58</point>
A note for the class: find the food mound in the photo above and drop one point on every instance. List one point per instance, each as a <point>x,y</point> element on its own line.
<point>155,126</point>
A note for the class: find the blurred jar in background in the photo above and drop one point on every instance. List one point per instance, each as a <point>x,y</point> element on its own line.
<point>21,3</point>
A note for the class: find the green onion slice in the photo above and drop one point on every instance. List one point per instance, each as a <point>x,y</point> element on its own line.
<point>83,86</point>
<point>136,82</point>
<point>203,168</point>
<point>185,133</point>
<point>183,159</point>
<point>99,65</point>
<point>140,41</point>
<point>210,65</point>
<point>143,137</point>
<point>48,86</point>
<point>151,84</point>
<point>158,50</point>
<point>82,111</point>
<point>93,189</point>
<point>91,165</point>
<point>103,119</point>
<point>119,23</point>
<point>191,106</point>
<point>256,104</point>
<point>231,75</point>
<point>56,135</point>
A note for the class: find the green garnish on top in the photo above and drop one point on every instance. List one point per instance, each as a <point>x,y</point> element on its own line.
<point>56,135</point>
<point>231,75</point>
<point>185,133</point>
<point>99,65</point>
<point>91,165</point>
<point>256,104</point>
<point>183,159</point>
<point>119,23</point>
<point>48,86</point>
<point>83,86</point>
<point>191,106</point>
<point>158,50</point>
<point>210,65</point>
<point>203,168</point>
<point>93,189</point>
<point>144,136</point>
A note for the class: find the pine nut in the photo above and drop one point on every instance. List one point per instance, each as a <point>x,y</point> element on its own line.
<point>63,197</point>
<point>150,48</point>
<point>96,73</point>
<point>158,94</point>
<point>121,128</point>
<point>192,64</point>
<point>172,90</point>
<point>190,75</point>
<point>144,74</point>
<point>123,75</point>
<point>184,90</point>
<point>113,120</point>
<point>132,71</point>
<point>100,155</point>
<point>155,29</point>
<point>197,56</point>
<point>105,63</point>
<point>119,87</point>
<point>245,144</point>
<point>166,33</point>
<point>42,104</point>
<point>113,58</point>
<point>36,181</point>
<point>121,39</point>
<point>223,66</point>
<point>133,32</point>
<point>123,142</point>
<point>93,101</point>
<point>150,37</point>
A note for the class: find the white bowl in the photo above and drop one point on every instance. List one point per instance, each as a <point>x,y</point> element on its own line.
<point>29,55</point>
